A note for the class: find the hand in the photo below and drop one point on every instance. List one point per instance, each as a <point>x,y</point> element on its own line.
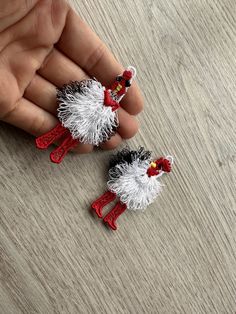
<point>44,44</point>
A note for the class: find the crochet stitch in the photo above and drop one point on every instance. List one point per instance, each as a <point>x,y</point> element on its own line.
<point>87,112</point>
<point>84,114</point>
<point>134,178</point>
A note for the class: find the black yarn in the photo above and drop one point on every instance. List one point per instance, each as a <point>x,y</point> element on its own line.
<point>128,155</point>
<point>72,88</point>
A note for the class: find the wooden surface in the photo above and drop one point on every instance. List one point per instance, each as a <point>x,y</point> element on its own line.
<point>180,255</point>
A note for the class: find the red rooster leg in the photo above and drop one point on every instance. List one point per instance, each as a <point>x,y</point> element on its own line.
<point>102,201</point>
<point>48,138</point>
<point>112,216</point>
<point>59,153</point>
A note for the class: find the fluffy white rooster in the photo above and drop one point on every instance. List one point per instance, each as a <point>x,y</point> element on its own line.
<point>134,179</point>
<point>87,112</point>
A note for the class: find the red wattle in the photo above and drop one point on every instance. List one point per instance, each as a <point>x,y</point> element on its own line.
<point>109,101</point>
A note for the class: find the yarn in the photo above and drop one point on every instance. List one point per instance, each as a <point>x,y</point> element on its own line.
<point>82,111</point>
<point>133,178</point>
<point>132,185</point>
<point>87,112</point>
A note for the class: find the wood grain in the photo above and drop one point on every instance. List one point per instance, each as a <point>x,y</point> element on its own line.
<point>178,257</point>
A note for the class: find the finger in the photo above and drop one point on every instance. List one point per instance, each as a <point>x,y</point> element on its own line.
<point>128,124</point>
<point>83,149</point>
<point>90,53</point>
<point>42,93</point>
<point>13,11</point>
<point>59,70</point>
<point>36,121</point>
<point>112,143</point>
<point>30,118</point>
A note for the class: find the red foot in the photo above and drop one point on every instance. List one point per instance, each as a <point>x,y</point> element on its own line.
<point>59,153</point>
<point>102,201</point>
<point>48,138</point>
<point>111,217</point>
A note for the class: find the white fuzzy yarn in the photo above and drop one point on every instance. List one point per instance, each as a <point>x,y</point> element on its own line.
<point>85,115</point>
<point>134,187</point>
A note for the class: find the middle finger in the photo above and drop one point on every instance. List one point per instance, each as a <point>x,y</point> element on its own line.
<point>59,70</point>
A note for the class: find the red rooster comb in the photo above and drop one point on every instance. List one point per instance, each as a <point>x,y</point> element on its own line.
<point>160,166</point>
<point>127,74</point>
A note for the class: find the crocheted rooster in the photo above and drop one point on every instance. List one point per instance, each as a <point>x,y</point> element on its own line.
<point>134,180</point>
<point>87,112</point>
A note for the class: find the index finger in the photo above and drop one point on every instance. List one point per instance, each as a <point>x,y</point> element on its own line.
<point>85,48</point>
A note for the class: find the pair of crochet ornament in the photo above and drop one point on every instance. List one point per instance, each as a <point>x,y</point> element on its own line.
<point>87,112</point>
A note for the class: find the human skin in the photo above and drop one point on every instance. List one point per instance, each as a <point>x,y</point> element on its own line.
<point>45,44</point>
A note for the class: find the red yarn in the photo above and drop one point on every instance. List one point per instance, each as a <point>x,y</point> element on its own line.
<point>59,153</point>
<point>166,165</point>
<point>162,164</point>
<point>109,101</point>
<point>45,140</point>
<point>111,217</point>
<point>117,210</point>
<point>102,201</point>
<point>120,85</point>
<point>152,172</point>
<point>127,75</point>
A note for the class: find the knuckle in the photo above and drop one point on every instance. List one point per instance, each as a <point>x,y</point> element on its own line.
<point>95,57</point>
<point>7,107</point>
<point>38,125</point>
<point>8,101</point>
<point>6,110</point>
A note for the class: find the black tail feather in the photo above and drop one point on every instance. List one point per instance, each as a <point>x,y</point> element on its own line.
<point>128,155</point>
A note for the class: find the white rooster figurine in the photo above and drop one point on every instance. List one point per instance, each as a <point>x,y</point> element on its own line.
<point>134,179</point>
<point>87,112</point>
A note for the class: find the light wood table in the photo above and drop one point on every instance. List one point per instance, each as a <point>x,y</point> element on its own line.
<point>180,255</point>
